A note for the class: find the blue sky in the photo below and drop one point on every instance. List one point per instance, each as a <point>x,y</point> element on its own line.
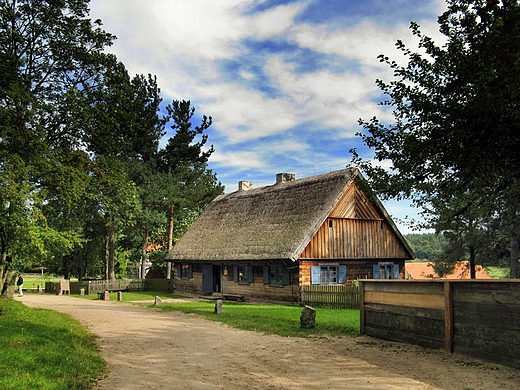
<point>284,81</point>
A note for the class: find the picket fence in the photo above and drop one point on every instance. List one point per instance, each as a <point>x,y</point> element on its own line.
<point>333,297</point>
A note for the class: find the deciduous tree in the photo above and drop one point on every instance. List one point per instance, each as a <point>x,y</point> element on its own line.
<point>456,119</point>
<point>50,52</point>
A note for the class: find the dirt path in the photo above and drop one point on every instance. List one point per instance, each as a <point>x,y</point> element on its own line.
<point>147,349</point>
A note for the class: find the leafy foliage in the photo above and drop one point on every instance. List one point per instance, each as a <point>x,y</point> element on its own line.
<point>454,142</point>
<point>426,246</point>
<point>83,182</point>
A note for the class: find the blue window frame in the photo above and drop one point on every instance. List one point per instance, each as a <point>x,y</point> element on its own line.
<point>243,274</point>
<point>385,271</point>
<point>329,274</point>
<point>276,275</point>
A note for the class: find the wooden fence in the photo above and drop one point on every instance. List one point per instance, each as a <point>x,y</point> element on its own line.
<point>334,297</point>
<point>474,317</point>
<point>97,286</point>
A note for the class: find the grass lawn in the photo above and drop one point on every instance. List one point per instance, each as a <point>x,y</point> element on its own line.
<point>497,272</point>
<point>132,296</point>
<point>33,280</point>
<point>43,349</point>
<point>271,319</point>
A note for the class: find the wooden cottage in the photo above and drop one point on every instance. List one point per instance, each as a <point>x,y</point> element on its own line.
<point>265,243</point>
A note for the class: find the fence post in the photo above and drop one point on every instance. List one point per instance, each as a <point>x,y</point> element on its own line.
<point>448,317</point>
<point>361,307</point>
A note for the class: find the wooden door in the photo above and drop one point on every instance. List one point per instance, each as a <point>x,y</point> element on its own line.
<point>207,278</point>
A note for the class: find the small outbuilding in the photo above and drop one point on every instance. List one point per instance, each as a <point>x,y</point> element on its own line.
<point>265,243</point>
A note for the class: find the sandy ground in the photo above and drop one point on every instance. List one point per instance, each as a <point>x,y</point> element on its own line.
<point>147,349</point>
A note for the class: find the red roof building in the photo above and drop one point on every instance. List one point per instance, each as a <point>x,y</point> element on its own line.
<point>424,270</point>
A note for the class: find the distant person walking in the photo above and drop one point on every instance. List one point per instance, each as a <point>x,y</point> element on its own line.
<point>19,283</point>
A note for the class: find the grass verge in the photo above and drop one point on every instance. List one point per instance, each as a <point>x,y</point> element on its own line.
<point>132,296</point>
<point>43,349</point>
<point>273,319</point>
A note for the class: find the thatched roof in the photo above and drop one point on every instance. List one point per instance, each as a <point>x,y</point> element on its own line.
<point>272,222</point>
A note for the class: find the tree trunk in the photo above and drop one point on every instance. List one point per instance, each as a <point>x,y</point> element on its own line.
<point>170,241</point>
<point>513,271</point>
<point>106,257</point>
<point>3,273</point>
<point>111,273</point>
<point>79,259</point>
<point>143,254</point>
<point>3,278</point>
<point>472,273</point>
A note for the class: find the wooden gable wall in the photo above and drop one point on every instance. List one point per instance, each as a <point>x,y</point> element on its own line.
<point>354,229</point>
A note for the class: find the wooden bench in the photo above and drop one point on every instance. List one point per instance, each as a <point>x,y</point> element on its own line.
<point>116,289</point>
<point>234,297</point>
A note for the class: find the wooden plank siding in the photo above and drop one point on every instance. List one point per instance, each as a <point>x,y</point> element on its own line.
<point>354,229</point>
<point>486,320</point>
<point>354,204</point>
<point>475,317</point>
<point>352,238</point>
<point>405,312</point>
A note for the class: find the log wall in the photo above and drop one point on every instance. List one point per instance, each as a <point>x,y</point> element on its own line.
<point>259,290</point>
<point>356,268</point>
<point>256,289</point>
<point>192,285</point>
<point>478,318</point>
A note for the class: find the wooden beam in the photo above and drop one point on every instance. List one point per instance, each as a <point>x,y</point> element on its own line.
<point>361,307</point>
<point>428,301</point>
<point>448,317</point>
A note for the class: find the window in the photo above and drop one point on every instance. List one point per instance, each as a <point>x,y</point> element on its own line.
<point>276,275</point>
<point>185,271</point>
<point>243,274</point>
<point>328,274</point>
<point>385,271</point>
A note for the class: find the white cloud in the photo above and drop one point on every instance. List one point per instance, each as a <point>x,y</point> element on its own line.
<point>189,43</point>
<point>185,27</point>
<point>275,21</point>
<point>243,114</point>
<point>326,98</point>
<point>239,159</point>
<point>180,41</point>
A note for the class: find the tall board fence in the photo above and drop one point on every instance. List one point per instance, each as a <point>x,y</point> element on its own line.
<point>334,297</point>
<point>475,317</point>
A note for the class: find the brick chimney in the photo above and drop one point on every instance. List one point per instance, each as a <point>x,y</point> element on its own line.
<point>284,177</point>
<point>245,185</point>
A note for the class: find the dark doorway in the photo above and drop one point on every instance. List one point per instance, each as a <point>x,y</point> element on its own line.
<point>211,278</point>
